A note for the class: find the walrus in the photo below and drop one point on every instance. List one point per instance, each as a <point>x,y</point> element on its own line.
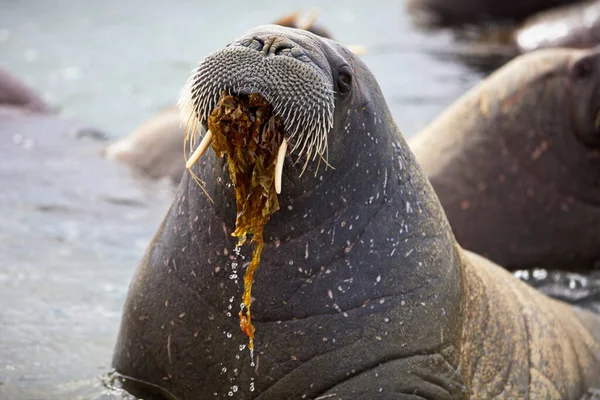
<point>574,25</point>
<point>16,96</point>
<point>154,149</point>
<point>362,291</point>
<point>444,13</point>
<point>515,162</point>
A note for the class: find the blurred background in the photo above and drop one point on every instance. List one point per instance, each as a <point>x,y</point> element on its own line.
<point>113,64</point>
<point>116,63</point>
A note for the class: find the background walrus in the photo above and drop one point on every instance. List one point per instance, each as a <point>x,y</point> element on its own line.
<point>17,96</point>
<point>462,12</point>
<point>576,25</point>
<point>516,162</point>
<point>362,291</point>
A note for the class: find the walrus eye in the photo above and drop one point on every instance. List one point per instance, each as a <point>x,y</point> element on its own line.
<point>344,80</point>
<point>582,69</point>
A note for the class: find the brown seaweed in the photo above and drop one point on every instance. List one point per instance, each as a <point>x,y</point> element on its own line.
<point>246,130</point>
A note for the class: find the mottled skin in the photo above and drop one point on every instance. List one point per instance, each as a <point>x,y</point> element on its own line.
<point>515,162</point>
<point>576,26</point>
<point>479,12</point>
<point>16,96</point>
<point>362,292</point>
<point>155,148</point>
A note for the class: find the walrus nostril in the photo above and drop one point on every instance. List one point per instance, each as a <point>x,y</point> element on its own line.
<point>272,45</point>
<point>257,44</point>
<point>282,49</point>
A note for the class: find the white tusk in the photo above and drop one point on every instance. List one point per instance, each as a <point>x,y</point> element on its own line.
<point>199,150</point>
<point>279,165</point>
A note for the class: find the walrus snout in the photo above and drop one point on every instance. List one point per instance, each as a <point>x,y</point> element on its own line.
<point>272,45</point>
<point>271,61</point>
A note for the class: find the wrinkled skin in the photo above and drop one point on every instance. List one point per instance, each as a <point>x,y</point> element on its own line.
<point>575,26</point>
<point>480,12</point>
<point>362,291</point>
<point>515,162</point>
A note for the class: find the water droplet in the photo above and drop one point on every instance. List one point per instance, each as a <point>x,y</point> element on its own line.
<point>242,347</point>
<point>229,335</point>
<point>224,369</point>
<point>291,262</point>
<point>230,394</point>
<point>234,388</point>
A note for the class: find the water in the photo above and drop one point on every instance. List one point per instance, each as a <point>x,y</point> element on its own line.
<point>67,256</point>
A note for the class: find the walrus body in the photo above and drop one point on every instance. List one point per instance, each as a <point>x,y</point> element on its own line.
<point>362,292</point>
<point>575,26</point>
<point>515,162</point>
<point>479,12</point>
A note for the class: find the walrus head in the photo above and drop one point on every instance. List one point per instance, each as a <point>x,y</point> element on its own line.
<point>521,151</point>
<point>558,95</point>
<point>300,75</point>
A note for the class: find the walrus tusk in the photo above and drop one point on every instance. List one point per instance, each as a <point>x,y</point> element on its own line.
<point>199,150</point>
<point>279,165</point>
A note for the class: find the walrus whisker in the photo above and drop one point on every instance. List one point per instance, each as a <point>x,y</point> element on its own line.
<point>304,140</point>
<point>206,141</point>
<point>279,165</point>
<point>190,138</point>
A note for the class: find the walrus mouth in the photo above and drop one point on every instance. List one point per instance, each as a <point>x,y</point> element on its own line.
<point>299,92</point>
